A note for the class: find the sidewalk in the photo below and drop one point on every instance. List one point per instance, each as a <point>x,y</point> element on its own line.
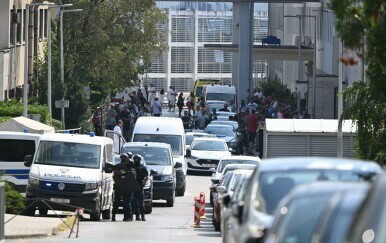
<point>27,227</point>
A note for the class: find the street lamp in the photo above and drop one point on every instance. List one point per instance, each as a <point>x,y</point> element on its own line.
<point>49,95</point>
<point>300,73</point>
<point>62,59</point>
<point>26,22</point>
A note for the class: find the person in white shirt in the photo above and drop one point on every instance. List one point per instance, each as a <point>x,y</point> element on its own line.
<point>169,97</point>
<point>156,107</point>
<point>118,130</point>
<point>151,90</point>
<point>258,94</point>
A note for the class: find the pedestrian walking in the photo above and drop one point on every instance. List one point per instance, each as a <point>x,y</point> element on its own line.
<point>251,129</point>
<point>152,92</point>
<point>190,102</point>
<point>162,96</point>
<point>180,103</point>
<point>156,107</point>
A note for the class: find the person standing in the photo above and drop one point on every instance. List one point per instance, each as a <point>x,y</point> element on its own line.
<point>110,120</point>
<point>117,130</point>
<point>156,107</point>
<point>142,178</point>
<point>126,117</point>
<point>125,183</point>
<point>186,120</point>
<point>169,97</point>
<point>202,119</point>
<point>180,103</point>
<point>173,98</point>
<point>190,102</point>
<point>251,129</point>
<point>151,92</point>
<point>162,96</point>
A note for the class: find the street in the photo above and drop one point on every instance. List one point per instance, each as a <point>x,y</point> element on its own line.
<point>163,225</point>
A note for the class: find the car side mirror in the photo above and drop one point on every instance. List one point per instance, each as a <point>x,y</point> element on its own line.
<point>213,188</point>
<point>230,150</point>
<point>221,189</point>
<point>28,160</point>
<point>153,172</point>
<point>188,153</point>
<point>226,200</point>
<point>109,167</point>
<point>237,210</point>
<point>178,165</point>
<point>212,170</point>
<point>215,181</point>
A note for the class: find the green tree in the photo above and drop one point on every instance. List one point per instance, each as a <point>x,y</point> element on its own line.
<point>280,91</point>
<point>106,47</point>
<point>361,25</point>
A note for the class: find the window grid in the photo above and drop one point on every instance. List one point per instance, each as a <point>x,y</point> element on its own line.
<point>159,83</point>
<point>182,84</point>
<point>212,61</point>
<point>182,29</point>
<point>182,60</point>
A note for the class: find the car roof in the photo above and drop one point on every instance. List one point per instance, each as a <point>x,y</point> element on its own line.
<point>222,121</point>
<point>239,166</point>
<point>147,144</point>
<point>243,172</point>
<point>198,133</point>
<point>319,163</point>
<point>209,139</point>
<point>76,138</point>
<point>219,125</point>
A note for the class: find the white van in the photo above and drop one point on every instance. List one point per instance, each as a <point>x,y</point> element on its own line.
<point>72,171</point>
<point>165,130</point>
<point>14,146</point>
<point>225,93</point>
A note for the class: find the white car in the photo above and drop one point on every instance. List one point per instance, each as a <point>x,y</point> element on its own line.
<point>206,152</point>
<point>190,136</point>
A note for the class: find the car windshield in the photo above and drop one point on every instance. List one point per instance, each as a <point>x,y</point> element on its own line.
<point>174,140</point>
<point>189,138</point>
<point>152,155</point>
<point>274,185</point>
<point>220,96</point>
<point>225,131</point>
<point>233,124</point>
<point>208,145</point>
<point>224,163</point>
<point>310,209</point>
<point>198,91</point>
<point>68,154</point>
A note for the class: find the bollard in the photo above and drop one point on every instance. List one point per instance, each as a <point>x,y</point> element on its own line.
<point>202,208</point>
<point>197,207</point>
<point>2,211</point>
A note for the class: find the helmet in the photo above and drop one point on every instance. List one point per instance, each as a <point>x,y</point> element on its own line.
<point>130,154</point>
<point>124,157</point>
<point>137,158</point>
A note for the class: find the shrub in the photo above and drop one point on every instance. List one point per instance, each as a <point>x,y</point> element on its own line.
<point>14,201</point>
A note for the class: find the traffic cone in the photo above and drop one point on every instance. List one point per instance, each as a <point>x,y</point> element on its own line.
<point>197,207</point>
<point>202,208</point>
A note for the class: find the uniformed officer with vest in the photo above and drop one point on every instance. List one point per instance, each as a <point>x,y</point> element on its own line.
<point>142,177</point>
<point>125,184</point>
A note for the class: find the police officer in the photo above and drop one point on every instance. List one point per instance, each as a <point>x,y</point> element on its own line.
<point>142,177</point>
<point>125,184</point>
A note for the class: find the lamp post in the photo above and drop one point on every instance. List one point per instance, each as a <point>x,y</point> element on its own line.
<point>300,73</point>
<point>26,22</point>
<point>49,95</point>
<point>62,59</point>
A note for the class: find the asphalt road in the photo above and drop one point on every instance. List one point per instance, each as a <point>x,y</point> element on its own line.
<point>163,225</point>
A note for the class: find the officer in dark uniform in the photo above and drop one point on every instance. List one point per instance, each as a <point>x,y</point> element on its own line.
<point>125,184</point>
<point>142,177</point>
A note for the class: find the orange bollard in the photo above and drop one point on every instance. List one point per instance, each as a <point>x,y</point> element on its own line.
<point>197,207</point>
<point>202,208</point>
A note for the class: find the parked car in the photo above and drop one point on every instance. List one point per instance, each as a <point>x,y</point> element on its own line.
<point>234,124</point>
<point>158,157</point>
<point>276,177</point>
<point>231,136</point>
<point>300,213</point>
<point>369,224</point>
<point>226,211</point>
<point>205,153</point>
<point>224,115</point>
<point>232,167</point>
<point>189,136</point>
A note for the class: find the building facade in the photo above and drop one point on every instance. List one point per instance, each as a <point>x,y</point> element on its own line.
<point>12,43</point>
<point>189,27</point>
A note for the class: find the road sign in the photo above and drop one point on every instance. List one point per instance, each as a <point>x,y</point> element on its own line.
<point>62,103</point>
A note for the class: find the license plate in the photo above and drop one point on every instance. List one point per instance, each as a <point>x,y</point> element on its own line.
<point>209,165</point>
<point>60,200</point>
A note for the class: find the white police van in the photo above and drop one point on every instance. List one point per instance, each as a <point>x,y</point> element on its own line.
<point>14,146</point>
<point>71,171</point>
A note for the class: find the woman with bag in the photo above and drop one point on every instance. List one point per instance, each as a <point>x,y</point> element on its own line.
<point>180,104</point>
<point>190,102</point>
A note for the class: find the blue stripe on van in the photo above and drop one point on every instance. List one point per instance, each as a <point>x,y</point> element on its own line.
<point>17,173</point>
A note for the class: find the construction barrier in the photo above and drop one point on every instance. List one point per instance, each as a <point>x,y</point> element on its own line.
<point>202,208</point>
<point>197,207</point>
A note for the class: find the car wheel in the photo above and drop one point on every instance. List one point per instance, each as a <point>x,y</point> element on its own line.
<point>181,192</point>
<point>29,211</point>
<point>149,208</point>
<point>170,202</point>
<point>43,211</point>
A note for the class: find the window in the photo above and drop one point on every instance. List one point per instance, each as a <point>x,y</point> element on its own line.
<point>12,150</point>
<point>23,24</point>
<point>45,23</point>
<point>41,23</point>
<point>12,28</point>
<point>152,155</point>
<point>174,140</point>
<point>19,26</point>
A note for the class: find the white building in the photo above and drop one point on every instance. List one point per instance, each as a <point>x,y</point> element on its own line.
<point>190,27</point>
<point>12,39</point>
<point>327,55</point>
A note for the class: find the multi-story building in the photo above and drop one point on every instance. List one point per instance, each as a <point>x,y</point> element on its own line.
<point>190,26</point>
<point>327,44</point>
<point>12,40</point>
